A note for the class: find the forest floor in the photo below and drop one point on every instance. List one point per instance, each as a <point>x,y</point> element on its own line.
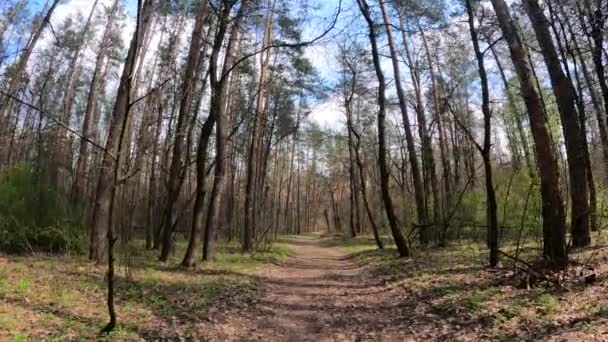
<point>345,290</point>
<point>63,298</point>
<point>307,288</point>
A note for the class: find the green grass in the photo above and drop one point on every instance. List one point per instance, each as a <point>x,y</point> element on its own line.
<point>359,244</point>
<point>65,297</point>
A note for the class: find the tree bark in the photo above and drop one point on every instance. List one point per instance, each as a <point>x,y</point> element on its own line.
<point>6,106</point>
<point>177,167</point>
<point>254,151</point>
<point>219,88</point>
<point>564,94</point>
<point>422,214</point>
<point>398,237</point>
<point>486,149</point>
<point>102,217</point>
<point>80,177</point>
<point>107,181</point>
<point>554,229</point>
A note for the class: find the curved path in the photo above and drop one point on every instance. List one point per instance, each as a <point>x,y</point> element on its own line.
<point>319,294</point>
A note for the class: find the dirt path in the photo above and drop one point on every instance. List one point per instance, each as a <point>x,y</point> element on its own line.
<point>319,294</point>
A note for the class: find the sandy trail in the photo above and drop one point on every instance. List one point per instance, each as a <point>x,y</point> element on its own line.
<point>319,294</point>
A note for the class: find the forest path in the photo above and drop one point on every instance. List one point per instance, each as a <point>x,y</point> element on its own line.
<point>319,294</point>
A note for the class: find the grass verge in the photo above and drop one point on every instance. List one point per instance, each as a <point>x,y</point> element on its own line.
<point>63,298</point>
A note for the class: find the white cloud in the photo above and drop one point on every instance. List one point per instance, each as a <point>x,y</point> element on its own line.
<point>328,114</point>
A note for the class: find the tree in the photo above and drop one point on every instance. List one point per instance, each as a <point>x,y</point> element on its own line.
<point>108,178</point>
<point>217,108</point>
<point>101,224</point>
<point>486,149</point>
<point>554,230</point>
<point>6,106</point>
<point>418,189</point>
<point>564,94</point>
<point>400,241</point>
<point>177,168</point>
<point>80,176</point>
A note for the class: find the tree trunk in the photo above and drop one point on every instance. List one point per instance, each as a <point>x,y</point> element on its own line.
<point>523,136</point>
<point>6,105</point>
<point>564,94</point>
<point>597,20</point>
<point>595,101</point>
<point>485,151</point>
<point>422,214</point>
<point>554,230</point>
<point>60,161</point>
<point>254,151</point>
<point>177,167</point>
<point>217,108</point>
<point>107,181</point>
<point>102,216</point>
<point>400,241</point>
<point>80,177</point>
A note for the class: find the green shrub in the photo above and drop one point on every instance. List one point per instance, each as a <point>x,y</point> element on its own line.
<point>34,217</point>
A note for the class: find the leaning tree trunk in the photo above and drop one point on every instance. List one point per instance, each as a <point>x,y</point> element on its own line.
<point>61,160</point>
<point>398,237</point>
<point>102,216</point>
<point>107,181</point>
<point>6,106</point>
<point>80,177</point>
<point>422,215</point>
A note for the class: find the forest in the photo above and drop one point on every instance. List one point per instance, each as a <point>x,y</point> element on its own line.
<point>303,170</point>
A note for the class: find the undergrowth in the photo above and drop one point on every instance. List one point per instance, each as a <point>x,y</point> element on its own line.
<point>36,218</point>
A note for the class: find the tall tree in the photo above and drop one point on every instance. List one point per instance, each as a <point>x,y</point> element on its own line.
<point>80,175</point>
<point>565,96</point>
<point>257,134</point>
<point>486,149</point>
<point>398,237</point>
<point>217,108</point>
<point>179,162</point>
<point>6,106</point>
<point>422,214</point>
<point>554,228</point>
<point>101,224</point>
<point>108,178</point>
<point>61,160</point>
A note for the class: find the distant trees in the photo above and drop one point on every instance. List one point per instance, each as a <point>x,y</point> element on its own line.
<point>15,80</point>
